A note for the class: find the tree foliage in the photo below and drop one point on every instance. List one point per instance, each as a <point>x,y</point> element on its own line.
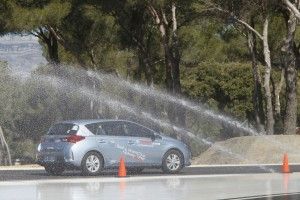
<point>236,57</point>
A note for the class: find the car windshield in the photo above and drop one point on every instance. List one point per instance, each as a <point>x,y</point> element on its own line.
<point>63,129</point>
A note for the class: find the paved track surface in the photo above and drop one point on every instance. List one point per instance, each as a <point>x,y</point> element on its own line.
<point>38,174</point>
<point>289,196</point>
<point>262,186</point>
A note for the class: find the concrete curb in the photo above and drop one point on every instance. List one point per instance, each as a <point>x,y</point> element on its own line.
<point>243,165</point>
<point>37,167</point>
<point>21,167</point>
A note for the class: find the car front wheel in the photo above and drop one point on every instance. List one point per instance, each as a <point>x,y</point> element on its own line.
<point>172,162</point>
<point>92,164</point>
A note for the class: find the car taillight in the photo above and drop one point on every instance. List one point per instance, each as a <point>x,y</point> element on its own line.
<point>74,138</point>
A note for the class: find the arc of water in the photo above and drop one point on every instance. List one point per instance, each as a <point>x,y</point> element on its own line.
<point>107,99</point>
<point>187,104</point>
<point>163,96</point>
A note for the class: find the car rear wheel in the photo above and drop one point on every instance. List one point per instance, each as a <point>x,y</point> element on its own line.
<point>92,164</point>
<point>172,162</point>
<point>54,169</point>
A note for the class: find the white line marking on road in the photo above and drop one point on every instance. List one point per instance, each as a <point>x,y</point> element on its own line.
<point>7,168</point>
<point>20,168</point>
<point>241,165</point>
<point>113,179</point>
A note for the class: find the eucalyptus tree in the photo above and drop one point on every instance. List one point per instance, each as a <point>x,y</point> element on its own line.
<point>135,32</point>
<point>241,13</point>
<point>168,16</point>
<point>90,34</point>
<point>42,19</point>
<point>293,7</point>
<point>5,119</point>
<point>138,33</point>
<point>5,12</point>
<point>257,92</point>
<point>290,49</point>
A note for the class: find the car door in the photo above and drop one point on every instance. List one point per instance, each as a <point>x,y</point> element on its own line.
<point>112,134</point>
<point>143,149</point>
<point>110,140</point>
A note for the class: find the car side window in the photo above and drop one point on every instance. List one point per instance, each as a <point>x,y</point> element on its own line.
<point>113,128</point>
<point>96,128</point>
<point>135,130</point>
<point>100,130</point>
<point>119,129</point>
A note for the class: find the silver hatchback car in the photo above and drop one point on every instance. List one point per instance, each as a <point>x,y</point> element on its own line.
<point>94,145</point>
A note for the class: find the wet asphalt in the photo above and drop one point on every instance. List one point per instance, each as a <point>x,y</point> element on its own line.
<point>22,175</point>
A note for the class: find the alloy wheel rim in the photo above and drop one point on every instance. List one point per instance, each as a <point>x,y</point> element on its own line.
<point>93,163</point>
<point>173,162</point>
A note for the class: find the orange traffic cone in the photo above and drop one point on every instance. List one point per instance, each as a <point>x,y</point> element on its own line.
<point>122,168</point>
<point>285,164</point>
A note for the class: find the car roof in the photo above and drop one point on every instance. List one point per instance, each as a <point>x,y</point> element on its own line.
<point>90,121</point>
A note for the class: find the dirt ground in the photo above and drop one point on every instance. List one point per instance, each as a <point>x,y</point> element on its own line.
<point>252,150</point>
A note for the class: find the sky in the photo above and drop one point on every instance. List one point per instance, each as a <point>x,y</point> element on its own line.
<point>23,53</point>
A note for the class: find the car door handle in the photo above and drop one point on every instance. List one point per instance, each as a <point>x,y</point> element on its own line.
<point>102,141</point>
<point>131,142</point>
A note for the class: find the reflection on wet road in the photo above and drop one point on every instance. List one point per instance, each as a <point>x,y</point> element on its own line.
<point>163,187</point>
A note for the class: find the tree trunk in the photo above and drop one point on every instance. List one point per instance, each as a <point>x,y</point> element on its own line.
<point>257,99</point>
<point>175,59</point>
<point>172,59</point>
<point>168,60</point>
<point>278,88</point>
<point>167,52</point>
<point>180,110</point>
<point>4,146</point>
<point>94,105</point>
<point>163,27</point>
<point>147,68</point>
<point>52,45</point>
<point>290,117</point>
<point>278,127</point>
<point>160,20</point>
<point>149,74</point>
<point>268,94</point>
<point>140,67</point>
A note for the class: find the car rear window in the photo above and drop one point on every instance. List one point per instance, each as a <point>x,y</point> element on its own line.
<point>63,129</point>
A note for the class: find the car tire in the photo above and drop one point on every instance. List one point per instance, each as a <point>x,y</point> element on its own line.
<point>54,170</point>
<point>135,170</point>
<point>92,164</point>
<point>172,162</point>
